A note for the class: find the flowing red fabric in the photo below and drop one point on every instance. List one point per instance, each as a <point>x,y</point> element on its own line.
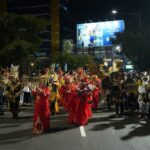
<point>65,93</point>
<point>96,93</point>
<point>84,109</point>
<point>61,91</point>
<point>96,97</point>
<point>73,105</point>
<point>41,109</point>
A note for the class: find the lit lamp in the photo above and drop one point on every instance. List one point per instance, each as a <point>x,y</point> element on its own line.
<point>114,11</point>
<point>32,64</point>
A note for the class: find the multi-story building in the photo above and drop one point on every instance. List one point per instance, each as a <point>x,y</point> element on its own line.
<point>54,10</point>
<point>38,8</point>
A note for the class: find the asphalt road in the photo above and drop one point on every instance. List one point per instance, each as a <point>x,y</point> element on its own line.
<point>104,132</point>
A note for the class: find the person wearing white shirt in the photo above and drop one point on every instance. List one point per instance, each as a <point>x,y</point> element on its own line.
<point>27,94</point>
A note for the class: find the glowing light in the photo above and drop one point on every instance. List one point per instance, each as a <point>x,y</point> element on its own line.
<point>114,11</point>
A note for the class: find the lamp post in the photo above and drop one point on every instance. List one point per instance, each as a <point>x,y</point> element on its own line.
<point>115,12</point>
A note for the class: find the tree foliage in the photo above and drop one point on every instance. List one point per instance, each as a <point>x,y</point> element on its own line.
<point>68,46</point>
<point>73,61</point>
<point>136,46</point>
<point>19,37</point>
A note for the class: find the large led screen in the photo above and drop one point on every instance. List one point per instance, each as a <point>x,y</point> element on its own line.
<point>98,34</point>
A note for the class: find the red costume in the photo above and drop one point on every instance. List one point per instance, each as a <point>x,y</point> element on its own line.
<point>65,93</point>
<point>41,111</point>
<point>65,96</point>
<point>96,93</point>
<point>84,107</point>
<point>73,104</point>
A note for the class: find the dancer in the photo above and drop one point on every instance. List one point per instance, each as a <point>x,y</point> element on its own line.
<point>41,108</point>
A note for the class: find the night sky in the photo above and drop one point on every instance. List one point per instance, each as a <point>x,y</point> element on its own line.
<point>96,10</point>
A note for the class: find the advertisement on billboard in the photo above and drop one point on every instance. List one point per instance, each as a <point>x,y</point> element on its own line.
<point>98,34</point>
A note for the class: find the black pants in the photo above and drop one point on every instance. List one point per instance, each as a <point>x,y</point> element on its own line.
<point>119,108</point>
<point>27,97</point>
<point>52,107</point>
<point>14,107</point>
<point>109,101</point>
<point>132,102</point>
<point>2,104</point>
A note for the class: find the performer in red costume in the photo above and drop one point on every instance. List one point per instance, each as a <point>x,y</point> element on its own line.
<point>65,93</point>
<point>84,107</point>
<point>96,92</point>
<point>73,103</point>
<point>41,108</point>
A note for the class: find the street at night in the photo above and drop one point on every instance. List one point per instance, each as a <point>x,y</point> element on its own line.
<point>74,75</point>
<point>104,132</point>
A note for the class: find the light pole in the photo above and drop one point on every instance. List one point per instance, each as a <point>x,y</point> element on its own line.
<point>115,12</point>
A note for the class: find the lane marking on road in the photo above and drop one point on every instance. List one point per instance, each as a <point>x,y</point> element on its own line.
<point>113,131</point>
<point>82,131</point>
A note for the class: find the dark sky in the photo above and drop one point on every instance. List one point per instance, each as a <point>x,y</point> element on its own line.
<point>96,10</point>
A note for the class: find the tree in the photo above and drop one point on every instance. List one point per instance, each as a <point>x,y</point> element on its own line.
<point>19,37</point>
<point>73,61</point>
<point>68,46</point>
<point>136,46</point>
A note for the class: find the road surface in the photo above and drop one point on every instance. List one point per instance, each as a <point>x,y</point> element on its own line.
<point>104,132</point>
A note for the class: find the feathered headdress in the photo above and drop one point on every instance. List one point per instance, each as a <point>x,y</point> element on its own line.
<point>14,71</point>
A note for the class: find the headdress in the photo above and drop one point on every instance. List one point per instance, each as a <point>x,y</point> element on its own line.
<point>14,71</point>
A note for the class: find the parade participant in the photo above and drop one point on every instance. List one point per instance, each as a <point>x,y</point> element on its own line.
<point>145,79</point>
<point>143,98</point>
<point>26,94</point>
<point>13,89</point>
<point>84,107</point>
<point>2,96</point>
<point>65,92</point>
<point>2,99</point>
<point>131,89</point>
<point>96,91</point>
<point>143,105</point>
<point>107,85</point>
<point>60,73</point>
<point>54,87</point>
<point>73,102</point>
<point>41,107</point>
<point>117,96</point>
<point>13,94</point>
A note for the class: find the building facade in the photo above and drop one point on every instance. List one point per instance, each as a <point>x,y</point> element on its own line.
<point>38,8</point>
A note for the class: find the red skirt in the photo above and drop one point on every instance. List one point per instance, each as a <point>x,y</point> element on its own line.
<point>41,116</point>
<point>83,112</point>
<point>73,106</point>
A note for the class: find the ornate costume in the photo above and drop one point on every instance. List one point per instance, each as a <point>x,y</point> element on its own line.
<point>41,110</point>
<point>54,96</point>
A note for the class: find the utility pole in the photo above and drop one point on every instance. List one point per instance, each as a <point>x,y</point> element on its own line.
<point>3,6</point>
<point>55,27</point>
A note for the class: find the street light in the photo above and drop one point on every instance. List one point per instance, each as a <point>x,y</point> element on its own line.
<point>115,12</point>
<point>32,64</point>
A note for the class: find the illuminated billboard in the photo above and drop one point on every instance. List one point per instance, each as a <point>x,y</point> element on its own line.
<point>98,34</point>
<point>129,67</point>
